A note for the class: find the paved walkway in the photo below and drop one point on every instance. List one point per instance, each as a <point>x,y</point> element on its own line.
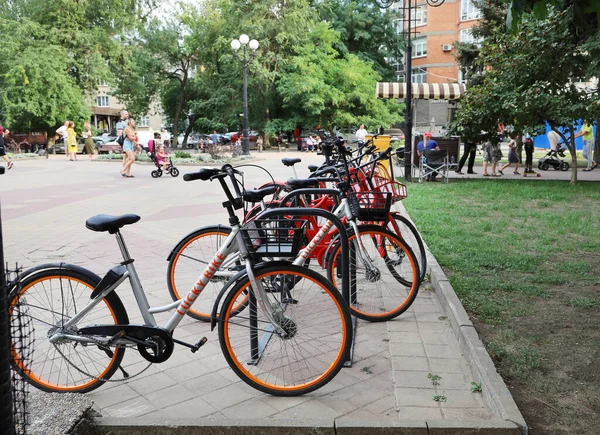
<point>44,206</point>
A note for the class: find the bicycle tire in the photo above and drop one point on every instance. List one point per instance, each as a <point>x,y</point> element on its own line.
<point>39,298</point>
<point>410,235</point>
<point>315,313</point>
<point>188,260</point>
<point>379,297</point>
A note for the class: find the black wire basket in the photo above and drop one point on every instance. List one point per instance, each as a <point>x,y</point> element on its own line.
<point>370,206</point>
<point>275,238</point>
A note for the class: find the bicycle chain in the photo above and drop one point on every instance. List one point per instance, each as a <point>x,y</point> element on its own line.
<point>92,376</point>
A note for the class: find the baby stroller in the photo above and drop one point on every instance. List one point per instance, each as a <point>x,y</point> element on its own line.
<point>552,159</point>
<point>170,169</point>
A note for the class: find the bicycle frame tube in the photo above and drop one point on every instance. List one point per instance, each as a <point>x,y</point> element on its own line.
<point>226,248</point>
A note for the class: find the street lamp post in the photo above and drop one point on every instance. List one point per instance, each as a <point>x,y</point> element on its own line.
<point>245,58</point>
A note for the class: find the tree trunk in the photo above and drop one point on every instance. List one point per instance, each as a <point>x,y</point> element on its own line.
<point>178,110</point>
<point>573,152</point>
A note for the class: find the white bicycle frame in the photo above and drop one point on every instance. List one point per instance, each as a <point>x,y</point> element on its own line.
<point>233,243</point>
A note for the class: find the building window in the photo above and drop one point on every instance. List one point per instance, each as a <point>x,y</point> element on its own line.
<point>461,76</point>
<point>419,75</point>
<point>419,48</point>
<point>468,11</point>
<point>420,15</point>
<point>465,35</point>
<point>144,121</point>
<point>102,83</point>
<point>102,101</point>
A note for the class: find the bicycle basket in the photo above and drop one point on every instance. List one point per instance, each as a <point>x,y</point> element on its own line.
<point>277,237</point>
<point>395,189</point>
<point>370,206</point>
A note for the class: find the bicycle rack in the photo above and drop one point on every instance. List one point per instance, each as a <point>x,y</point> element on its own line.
<point>257,345</point>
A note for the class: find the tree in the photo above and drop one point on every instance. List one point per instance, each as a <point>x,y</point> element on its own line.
<point>365,31</point>
<point>537,84</point>
<point>35,92</point>
<point>325,89</point>
<point>54,53</point>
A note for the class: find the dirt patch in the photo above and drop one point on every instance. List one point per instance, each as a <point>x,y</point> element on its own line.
<point>555,374</point>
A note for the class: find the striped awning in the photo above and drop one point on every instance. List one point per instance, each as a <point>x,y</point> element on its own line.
<point>422,91</point>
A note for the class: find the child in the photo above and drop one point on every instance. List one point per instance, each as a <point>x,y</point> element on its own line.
<point>162,157</point>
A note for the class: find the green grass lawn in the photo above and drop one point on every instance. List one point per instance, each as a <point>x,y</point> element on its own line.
<point>524,258</point>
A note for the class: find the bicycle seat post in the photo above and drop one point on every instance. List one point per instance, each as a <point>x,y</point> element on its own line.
<point>134,280</point>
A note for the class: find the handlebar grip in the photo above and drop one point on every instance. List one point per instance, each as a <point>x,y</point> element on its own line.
<point>385,154</point>
<point>203,174</point>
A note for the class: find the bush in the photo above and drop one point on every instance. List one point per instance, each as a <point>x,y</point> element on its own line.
<point>182,155</point>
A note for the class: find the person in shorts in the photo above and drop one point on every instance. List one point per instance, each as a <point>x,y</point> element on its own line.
<point>4,133</point>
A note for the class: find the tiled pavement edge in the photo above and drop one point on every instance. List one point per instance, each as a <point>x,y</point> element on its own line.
<point>386,389</point>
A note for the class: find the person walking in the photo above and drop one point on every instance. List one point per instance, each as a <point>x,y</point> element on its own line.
<point>128,147</point>
<point>62,136</point>
<point>88,147</point>
<point>512,156</point>
<point>491,154</point>
<point>72,141</point>
<point>587,132</point>
<point>121,126</point>
<point>4,133</point>
<point>470,149</point>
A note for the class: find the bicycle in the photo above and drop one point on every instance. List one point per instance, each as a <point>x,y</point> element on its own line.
<point>384,259</point>
<point>292,337</point>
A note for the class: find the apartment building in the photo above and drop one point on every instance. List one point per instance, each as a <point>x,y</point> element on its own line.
<point>106,112</point>
<point>434,33</point>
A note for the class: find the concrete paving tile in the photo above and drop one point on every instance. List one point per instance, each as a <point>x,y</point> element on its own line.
<point>170,396</point>
<point>364,395</point>
<point>283,403</point>
<point>310,409</point>
<point>132,408</point>
<point>193,408</point>
<point>249,409</point>
<point>467,413</point>
<point>404,337</point>
<point>420,413</point>
<point>432,337</point>
<point>386,406</point>
<point>151,383</point>
<point>461,399</point>
<point>231,395</point>
<point>415,397</point>
<point>339,402</point>
<point>185,372</point>
<point>417,364</point>
<point>401,325</point>
<point>407,349</point>
<point>412,379</point>
<point>112,396</point>
<point>207,383</point>
<point>439,327</point>
<point>443,351</point>
<point>448,365</point>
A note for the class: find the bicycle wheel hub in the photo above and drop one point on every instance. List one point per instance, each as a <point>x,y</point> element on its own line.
<point>290,328</point>
<point>373,275</point>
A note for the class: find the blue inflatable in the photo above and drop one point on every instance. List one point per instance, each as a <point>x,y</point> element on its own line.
<point>541,141</point>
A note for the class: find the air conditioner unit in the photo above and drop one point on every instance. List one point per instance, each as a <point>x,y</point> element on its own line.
<point>447,47</point>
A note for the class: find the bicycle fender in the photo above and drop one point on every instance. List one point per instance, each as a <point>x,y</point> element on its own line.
<point>40,268</point>
<point>184,240</point>
<point>214,315</point>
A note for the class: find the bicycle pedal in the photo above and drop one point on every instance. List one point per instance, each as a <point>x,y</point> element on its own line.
<point>198,345</point>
